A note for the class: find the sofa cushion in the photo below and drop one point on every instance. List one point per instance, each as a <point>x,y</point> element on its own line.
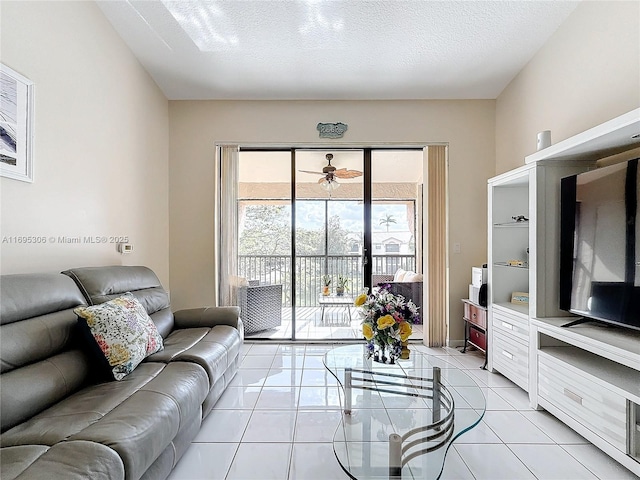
<point>123,331</point>
<point>214,349</point>
<point>15,460</point>
<point>101,284</point>
<point>39,357</point>
<point>30,295</point>
<point>137,417</point>
<point>77,460</point>
<point>164,321</point>
<point>76,412</point>
<point>399,275</point>
<point>29,390</point>
<point>412,277</point>
<point>142,426</point>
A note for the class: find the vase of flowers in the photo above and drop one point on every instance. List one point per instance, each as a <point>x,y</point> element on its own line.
<point>387,323</point>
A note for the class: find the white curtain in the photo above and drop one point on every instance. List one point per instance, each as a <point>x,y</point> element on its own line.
<point>227,224</point>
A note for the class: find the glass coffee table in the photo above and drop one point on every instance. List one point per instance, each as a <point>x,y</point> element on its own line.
<point>399,420</point>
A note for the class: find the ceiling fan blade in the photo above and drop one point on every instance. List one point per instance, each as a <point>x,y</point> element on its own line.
<point>321,179</point>
<point>344,173</point>
<point>309,171</point>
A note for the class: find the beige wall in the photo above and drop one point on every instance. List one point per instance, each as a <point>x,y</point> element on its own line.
<point>587,73</point>
<point>102,168</point>
<point>195,127</point>
<point>101,143</point>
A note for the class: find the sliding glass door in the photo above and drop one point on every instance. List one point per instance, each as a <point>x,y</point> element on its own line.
<point>396,222</point>
<point>315,228</point>
<point>329,238</point>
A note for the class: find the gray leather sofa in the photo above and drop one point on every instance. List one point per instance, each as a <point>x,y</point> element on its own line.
<point>61,419</point>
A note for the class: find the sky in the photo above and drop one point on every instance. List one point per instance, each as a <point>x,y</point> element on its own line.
<point>310,215</point>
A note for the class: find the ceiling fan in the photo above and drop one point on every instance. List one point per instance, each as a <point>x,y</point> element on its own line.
<point>330,174</point>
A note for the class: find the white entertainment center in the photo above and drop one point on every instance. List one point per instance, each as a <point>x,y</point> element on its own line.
<point>588,376</point>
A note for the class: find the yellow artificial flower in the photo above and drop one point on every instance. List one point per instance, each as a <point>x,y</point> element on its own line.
<point>386,322</point>
<point>405,331</point>
<point>367,331</point>
<point>360,299</point>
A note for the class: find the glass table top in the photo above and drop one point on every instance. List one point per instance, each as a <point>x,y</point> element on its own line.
<point>398,420</point>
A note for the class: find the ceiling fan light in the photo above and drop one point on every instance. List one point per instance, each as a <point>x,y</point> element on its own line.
<point>330,185</point>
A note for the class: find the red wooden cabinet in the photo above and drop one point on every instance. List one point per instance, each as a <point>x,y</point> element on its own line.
<point>475,327</point>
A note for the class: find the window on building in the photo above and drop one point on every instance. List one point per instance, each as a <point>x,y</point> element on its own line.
<point>392,248</point>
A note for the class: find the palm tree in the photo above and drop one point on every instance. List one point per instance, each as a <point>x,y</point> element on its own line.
<point>387,220</point>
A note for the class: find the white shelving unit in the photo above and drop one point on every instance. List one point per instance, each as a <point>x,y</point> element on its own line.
<point>509,240</point>
<point>587,376</point>
<point>534,192</point>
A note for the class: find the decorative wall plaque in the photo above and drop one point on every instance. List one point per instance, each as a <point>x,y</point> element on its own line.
<point>332,130</point>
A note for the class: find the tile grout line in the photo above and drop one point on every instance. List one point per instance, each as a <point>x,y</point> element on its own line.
<point>467,369</point>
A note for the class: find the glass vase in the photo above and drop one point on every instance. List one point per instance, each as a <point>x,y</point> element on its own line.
<point>384,353</point>
<point>405,350</point>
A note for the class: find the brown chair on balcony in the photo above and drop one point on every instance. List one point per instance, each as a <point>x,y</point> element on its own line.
<point>260,307</point>
<point>407,284</point>
<point>376,280</point>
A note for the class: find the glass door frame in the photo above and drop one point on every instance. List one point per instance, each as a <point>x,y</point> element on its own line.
<point>366,237</point>
<point>367,253</point>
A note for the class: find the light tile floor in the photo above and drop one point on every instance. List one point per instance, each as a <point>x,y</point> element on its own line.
<point>337,325</point>
<point>277,419</point>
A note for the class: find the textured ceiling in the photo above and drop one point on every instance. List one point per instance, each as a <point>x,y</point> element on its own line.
<point>343,49</point>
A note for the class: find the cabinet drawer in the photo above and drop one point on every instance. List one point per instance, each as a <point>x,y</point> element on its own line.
<point>511,358</point>
<point>589,403</point>
<point>511,324</point>
<point>478,337</point>
<point>475,315</point>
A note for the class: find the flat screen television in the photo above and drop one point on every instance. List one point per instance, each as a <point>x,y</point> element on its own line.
<point>600,245</point>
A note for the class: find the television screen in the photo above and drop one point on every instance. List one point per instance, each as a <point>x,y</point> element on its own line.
<point>600,244</point>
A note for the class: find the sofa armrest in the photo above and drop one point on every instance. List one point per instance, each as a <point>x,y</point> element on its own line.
<point>208,317</point>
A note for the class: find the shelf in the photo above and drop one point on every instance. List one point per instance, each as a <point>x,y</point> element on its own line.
<point>521,309</point>
<point>606,139</point>
<point>624,380</point>
<point>505,265</point>
<point>619,345</point>
<point>477,305</point>
<point>511,225</point>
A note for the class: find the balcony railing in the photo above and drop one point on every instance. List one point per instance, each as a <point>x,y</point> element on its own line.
<point>273,269</point>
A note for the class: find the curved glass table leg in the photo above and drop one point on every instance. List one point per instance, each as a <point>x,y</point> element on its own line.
<point>399,421</point>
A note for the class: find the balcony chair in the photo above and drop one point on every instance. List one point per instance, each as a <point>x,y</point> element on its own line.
<point>260,306</point>
<point>407,284</point>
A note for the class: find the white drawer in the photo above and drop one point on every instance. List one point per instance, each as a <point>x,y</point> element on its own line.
<point>579,396</point>
<point>511,324</point>
<point>510,357</point>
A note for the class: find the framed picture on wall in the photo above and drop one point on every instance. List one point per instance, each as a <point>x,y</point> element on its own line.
<point>16,125</point>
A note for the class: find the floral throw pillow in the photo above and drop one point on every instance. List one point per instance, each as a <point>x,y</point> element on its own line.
<point>123,331</point>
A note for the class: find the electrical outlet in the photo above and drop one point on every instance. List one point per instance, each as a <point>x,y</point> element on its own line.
<point>456,247</point>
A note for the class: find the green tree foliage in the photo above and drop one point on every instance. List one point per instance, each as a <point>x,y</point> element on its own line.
<point>387,220</point>
<point>338,237</point>
<point>267,231</point>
